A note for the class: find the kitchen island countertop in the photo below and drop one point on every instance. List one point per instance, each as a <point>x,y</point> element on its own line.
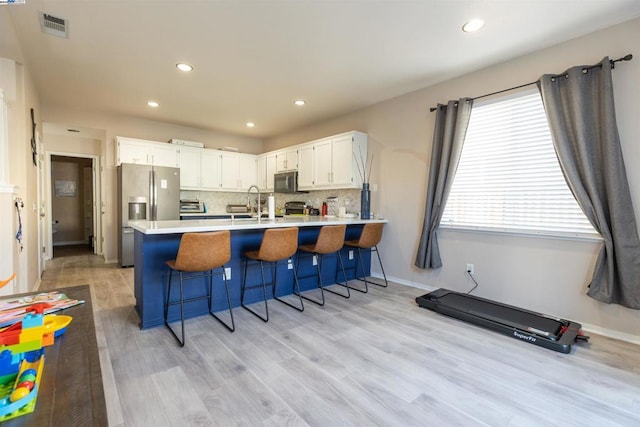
<point>194,226</point>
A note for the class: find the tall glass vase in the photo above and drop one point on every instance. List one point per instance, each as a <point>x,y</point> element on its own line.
<point>365,201</point>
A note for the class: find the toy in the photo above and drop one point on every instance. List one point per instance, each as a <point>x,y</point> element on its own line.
<point>22,359</point>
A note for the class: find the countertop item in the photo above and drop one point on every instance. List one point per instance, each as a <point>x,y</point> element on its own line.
<point>172,227</point>
<point>191,206</point>
<point>237,209</point>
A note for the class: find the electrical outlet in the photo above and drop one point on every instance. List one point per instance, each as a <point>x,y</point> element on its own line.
<point>290,265</point>
<point>227,272</point>
<point>315,260</point>
<point>350,254</point>
<point>470,269</point>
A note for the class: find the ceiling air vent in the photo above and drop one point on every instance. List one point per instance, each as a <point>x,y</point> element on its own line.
<point>53,25</point>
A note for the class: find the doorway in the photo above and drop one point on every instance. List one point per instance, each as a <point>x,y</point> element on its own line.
<point>72,203</point>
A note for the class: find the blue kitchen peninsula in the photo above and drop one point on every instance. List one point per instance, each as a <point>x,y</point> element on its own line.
<point>158,241</point>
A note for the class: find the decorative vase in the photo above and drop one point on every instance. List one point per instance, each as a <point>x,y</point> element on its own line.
<point>365,201</point>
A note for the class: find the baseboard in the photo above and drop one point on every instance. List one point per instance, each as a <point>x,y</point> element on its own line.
<point>110,261</point>
<point>405,282</point>
<point>609,333</point>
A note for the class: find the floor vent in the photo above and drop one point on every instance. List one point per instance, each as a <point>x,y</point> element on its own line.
<point>53,25</point>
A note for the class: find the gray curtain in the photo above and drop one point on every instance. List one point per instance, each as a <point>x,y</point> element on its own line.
<point>581,114</point>
<point>450,128</point>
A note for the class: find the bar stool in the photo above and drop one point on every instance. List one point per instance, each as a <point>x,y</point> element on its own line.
<point>278,244</point>
<point>369,239</point>
<point>199,253</point>
<point>330,241</point>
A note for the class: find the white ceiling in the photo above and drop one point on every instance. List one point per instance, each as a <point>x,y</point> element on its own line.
<point>252,59</point>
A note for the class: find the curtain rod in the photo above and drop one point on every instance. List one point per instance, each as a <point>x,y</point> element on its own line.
<point>611,61</point>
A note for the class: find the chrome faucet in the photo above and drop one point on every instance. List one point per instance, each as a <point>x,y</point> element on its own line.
<point>257,201</point>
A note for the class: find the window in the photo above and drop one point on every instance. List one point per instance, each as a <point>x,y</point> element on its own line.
<point>508,178</point>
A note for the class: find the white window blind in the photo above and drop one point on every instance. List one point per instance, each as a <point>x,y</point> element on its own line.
<point>509,178</point>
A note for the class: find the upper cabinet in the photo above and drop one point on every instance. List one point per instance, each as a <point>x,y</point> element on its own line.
<point>200,169</point>
<point>139,151</point>
<point>305,167</point>
<point>239,171</point>
<point>211,169</point>
<point>336,160</point>
<point>327,163</point>
<point>190,168</point>
<point>266,169</point>
<point>287,160</point>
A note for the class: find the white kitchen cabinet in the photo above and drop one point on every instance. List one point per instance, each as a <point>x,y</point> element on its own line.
<point>131,151</point>
<point>210,169</point>
<point>142,152</point>
<point>238,171</point>
<point>163,154</point>
<point>287,160</point>
<point>266,168</point>
<point>190,168</point>
<point>335,161</point>
<point>248,171</point>
<point>200,169</point>
<point>322,160</point>
<point>305,167</point>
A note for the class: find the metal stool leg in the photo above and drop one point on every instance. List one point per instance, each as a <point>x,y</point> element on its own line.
<point>375,248</point>
<point>295,286</point>
<point>264,292</point>
<point>346,282</point>
<point>231,327</point>
<point>321,302</point>
<point>166,310</point>
<point>363,279</point>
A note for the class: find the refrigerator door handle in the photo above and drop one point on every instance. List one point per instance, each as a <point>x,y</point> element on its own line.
<point>153,205</point>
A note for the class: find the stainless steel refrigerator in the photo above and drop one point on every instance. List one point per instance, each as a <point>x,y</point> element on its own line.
<point>144,193</point>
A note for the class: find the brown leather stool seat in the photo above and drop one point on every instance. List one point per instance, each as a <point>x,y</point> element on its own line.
<point>369,239</point>
<point>199,253</point>
<point>330,241</point>
<point>278,244</point>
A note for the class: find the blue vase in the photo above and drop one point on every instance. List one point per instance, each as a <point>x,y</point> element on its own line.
<point>365,202</point>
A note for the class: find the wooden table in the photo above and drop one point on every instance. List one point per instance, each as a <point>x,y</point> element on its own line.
<point>71,392</point>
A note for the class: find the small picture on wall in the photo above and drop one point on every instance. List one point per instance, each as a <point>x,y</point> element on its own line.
<point>66,189</point>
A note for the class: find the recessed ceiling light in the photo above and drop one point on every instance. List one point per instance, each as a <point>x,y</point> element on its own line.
<point>184,67</point>
<point>473,25</point>
<point>299,102</point>
<point>250,124</point>
<point>153,104</point>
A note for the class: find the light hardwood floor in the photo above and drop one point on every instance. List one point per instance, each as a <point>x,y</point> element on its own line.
<point>374,359</point>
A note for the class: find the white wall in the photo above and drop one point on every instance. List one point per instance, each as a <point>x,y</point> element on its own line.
<point>20,96</point>
<point>546,275</point>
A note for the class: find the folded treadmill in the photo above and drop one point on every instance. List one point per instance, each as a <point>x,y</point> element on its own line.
<point>535,328</point>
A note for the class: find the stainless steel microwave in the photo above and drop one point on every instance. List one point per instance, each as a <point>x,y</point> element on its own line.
<point>285,182</point>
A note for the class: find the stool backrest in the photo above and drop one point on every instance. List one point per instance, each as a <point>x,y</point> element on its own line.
<point>203,251</point>
<point>278,244</point>
<point>371,235</point>
<point>330,239</point>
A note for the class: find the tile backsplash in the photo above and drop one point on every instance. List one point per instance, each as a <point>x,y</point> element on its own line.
<point>216,202</point>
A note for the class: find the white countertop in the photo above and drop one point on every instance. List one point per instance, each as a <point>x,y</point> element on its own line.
<point>199,225</point>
